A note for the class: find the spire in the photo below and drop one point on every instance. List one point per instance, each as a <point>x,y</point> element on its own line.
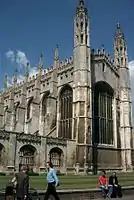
<point>81,3</point>
<point>120,48</point>
<point>56,53</point>
<point>5,82</point>
<point>41,61</point>
<point>26,71</point>
<point>81,7</point>
<point>81,25</point>
<point>118,32</point>
<point>15,77</point>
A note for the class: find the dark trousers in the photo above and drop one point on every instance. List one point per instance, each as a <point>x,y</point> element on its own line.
<point>117,192</point>
<point>20,198</point>
<point>51,190</point>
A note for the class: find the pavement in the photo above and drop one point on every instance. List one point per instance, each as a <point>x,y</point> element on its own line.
<point>130,197</point>
<point>127,197</point>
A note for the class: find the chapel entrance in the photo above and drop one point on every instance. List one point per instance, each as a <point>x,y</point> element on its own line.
<point>27,156</point>
<point>56,157</point>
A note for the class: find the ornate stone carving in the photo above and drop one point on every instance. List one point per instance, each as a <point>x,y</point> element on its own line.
<point>56,141</point>
<point>29,138</point>
<point>125,95</point>
<point>4,135</point>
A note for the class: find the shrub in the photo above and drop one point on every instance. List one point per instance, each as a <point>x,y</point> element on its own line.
<point>59,173</point>
<point>43,174</point>
<point>2,174</point>
<point>33,174</point>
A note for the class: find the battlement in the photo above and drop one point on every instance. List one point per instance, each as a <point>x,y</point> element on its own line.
<point>101,54</point>
<point>43,75</point>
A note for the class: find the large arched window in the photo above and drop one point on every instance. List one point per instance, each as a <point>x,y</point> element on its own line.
<point>27,156</point>
<point>103,115</point>
<point>66,103</point>
<point>29,108</point>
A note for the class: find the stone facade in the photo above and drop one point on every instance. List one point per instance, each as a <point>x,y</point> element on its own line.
<point>76,114</point>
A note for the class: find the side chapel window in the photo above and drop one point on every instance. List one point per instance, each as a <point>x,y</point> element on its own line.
<point>17,111</point>
<point>103,115</point>
<point>29,108</point>
<point>66,103</point>
<point>44,105</point>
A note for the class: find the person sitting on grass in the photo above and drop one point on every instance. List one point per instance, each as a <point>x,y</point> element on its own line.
<point>116,188</point>
<point>103,185</point>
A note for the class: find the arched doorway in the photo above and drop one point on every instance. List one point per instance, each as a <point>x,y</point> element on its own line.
<point>27,156</point>
<point>103,118</point>
<point>56,157</point>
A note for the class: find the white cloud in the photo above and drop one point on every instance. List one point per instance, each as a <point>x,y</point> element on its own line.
<point>21,60</point>
<point>10,55</point>
<point>131,67</point>
<point>17,56</point>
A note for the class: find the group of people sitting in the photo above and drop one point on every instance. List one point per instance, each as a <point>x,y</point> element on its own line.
<point>109,186</point>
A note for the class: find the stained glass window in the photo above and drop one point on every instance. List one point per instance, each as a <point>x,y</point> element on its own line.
<point>66,99</point>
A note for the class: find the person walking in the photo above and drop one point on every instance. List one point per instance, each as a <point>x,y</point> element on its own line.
<point>22,185</point>
<point>52,181</point>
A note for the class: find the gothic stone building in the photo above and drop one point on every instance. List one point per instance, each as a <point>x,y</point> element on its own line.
<point>77,114</point>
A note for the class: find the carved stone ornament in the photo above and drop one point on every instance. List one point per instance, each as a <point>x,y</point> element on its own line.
<point>4,135</point>
<point>56,141</point>
<point>29,138</point>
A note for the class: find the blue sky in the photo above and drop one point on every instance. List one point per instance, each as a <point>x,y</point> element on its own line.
<point>37,26</point>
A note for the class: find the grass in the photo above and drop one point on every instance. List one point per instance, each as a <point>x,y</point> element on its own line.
<point>71,181</point>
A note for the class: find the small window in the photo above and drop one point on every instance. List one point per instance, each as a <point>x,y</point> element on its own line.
<point>81,26</point>
<point>86,39</point>
<point>118,61</point>
<point>121,61</point>
<point>17,111</point>
<point>121,50</point>
<point>86,27</point>
<point>77,38</point>
<point>81,38</point>
<point>103,67</point>
<point>125,61</point>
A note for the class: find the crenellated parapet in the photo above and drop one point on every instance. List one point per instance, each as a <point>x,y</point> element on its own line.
<point>102,55</point>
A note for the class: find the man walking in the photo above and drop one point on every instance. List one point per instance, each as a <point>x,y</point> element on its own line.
<point>22,186</point>
<point>52,181</point>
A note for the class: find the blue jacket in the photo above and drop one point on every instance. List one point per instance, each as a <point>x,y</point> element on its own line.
<point>52,177</point>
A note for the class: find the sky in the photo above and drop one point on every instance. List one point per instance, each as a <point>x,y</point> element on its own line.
<point>29,28</point>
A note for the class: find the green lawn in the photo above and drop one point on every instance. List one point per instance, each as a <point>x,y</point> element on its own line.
<point>71,181</point>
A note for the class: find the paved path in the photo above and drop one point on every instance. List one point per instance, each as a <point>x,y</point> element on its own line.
<point>123,198</point>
